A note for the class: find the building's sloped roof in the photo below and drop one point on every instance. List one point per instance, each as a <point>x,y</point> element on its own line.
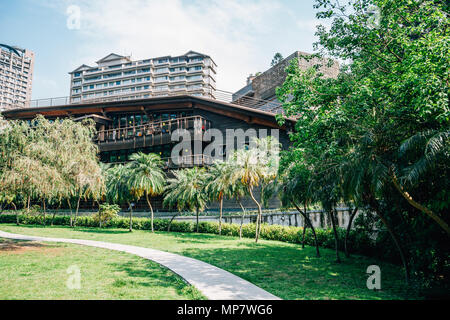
<point>81,68</point>
<point>216,106</point>
<point>112,57</point>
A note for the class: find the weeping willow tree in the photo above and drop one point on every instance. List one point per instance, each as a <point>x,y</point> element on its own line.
<point>49,161</point>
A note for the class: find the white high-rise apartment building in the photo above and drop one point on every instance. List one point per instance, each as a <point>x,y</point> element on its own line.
<point>117,77</point>
<point>16,74</point>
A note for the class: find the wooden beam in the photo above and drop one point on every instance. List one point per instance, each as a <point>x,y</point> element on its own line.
<point>243,117</point>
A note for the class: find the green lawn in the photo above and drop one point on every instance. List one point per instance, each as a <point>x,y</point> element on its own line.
<point>30,270</point>
<point>283,269</point>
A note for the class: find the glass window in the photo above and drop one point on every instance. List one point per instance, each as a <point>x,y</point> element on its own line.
<point>130,121</point>
<point>166,151</point>
<point>113,156</point>
<point>123,122</point>
<point>122,157</point>
<point>138,119</point>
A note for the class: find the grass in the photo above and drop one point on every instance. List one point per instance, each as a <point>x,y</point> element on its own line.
<point>283,269</point>
<point>30,270</point>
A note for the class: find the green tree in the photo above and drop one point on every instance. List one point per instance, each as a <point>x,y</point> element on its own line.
<point>294,188</point>
<point>44,160</point>
<point>219,185</point>
<point>256,167</point>
<point>147,177</point>
<point>186,191</point>
<point>277,58</point>
<point>119,190</point>
<point>393,86</point>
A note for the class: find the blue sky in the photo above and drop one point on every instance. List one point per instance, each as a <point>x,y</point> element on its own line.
<point>240,35</point>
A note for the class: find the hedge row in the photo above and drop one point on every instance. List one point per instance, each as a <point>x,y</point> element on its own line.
<point>359,242</point>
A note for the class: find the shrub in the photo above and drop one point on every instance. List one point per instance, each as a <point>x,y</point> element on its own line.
<point>106,213</point>
<point>359,242</point>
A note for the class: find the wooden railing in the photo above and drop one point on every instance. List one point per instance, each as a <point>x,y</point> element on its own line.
<point>152,130</point>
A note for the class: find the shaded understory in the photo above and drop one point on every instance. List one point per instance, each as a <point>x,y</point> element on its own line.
<point>283,269</point>
<point>32,270</point>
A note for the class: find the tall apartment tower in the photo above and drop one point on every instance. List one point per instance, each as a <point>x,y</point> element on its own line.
<point>117,77</point>
<point>16,75</point>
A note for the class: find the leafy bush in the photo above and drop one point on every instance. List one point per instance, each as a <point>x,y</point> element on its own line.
<point>359,242</point>
<point>106,213</point>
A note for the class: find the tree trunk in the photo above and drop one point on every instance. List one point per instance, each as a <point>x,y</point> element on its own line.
<point>71,213</point>
<point>100,223</point>
<point>242,219</point>
<point>131,217</point>
<point>352,215</point>
<point>76,212</point>
<point>196,212</point>
<point>374,206</point>
<point>220,215</point>
<point>43,203</point>
<point>331,215</point>
<point>28,204</point>
<point>17,213</point>
<point>258,220</point>
<point>304,225</point>
<point>303,237</point>
<point>420,207</point>
<point>312,229</point>
<point>54,213</point>
<point>151,210</point>
<point>170,222</point>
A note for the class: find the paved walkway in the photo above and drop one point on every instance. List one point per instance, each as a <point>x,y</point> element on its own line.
<point>213,282</point>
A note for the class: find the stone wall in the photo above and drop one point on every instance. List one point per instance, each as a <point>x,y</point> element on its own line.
<point>265,84</point>
<point>319,219</point>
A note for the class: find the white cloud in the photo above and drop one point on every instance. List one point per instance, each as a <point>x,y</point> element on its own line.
<point>311,24</point>
<point>225,30</point>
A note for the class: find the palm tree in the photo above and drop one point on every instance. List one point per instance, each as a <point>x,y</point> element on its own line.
<point>187,190</point>
<point>255,167</point>
<point>119,190</point>
<point>364,174</point>
<point>219,185</point>
<point>249,172</point>
<point>146,177</point>
<point>433,150</point>
<point>294,191</point>
<point>238,191</point>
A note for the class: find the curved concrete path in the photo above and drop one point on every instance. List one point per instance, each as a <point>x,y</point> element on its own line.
<point>213,282</point>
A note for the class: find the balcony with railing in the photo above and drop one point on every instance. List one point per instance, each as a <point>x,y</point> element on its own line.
<point>151,133</point>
